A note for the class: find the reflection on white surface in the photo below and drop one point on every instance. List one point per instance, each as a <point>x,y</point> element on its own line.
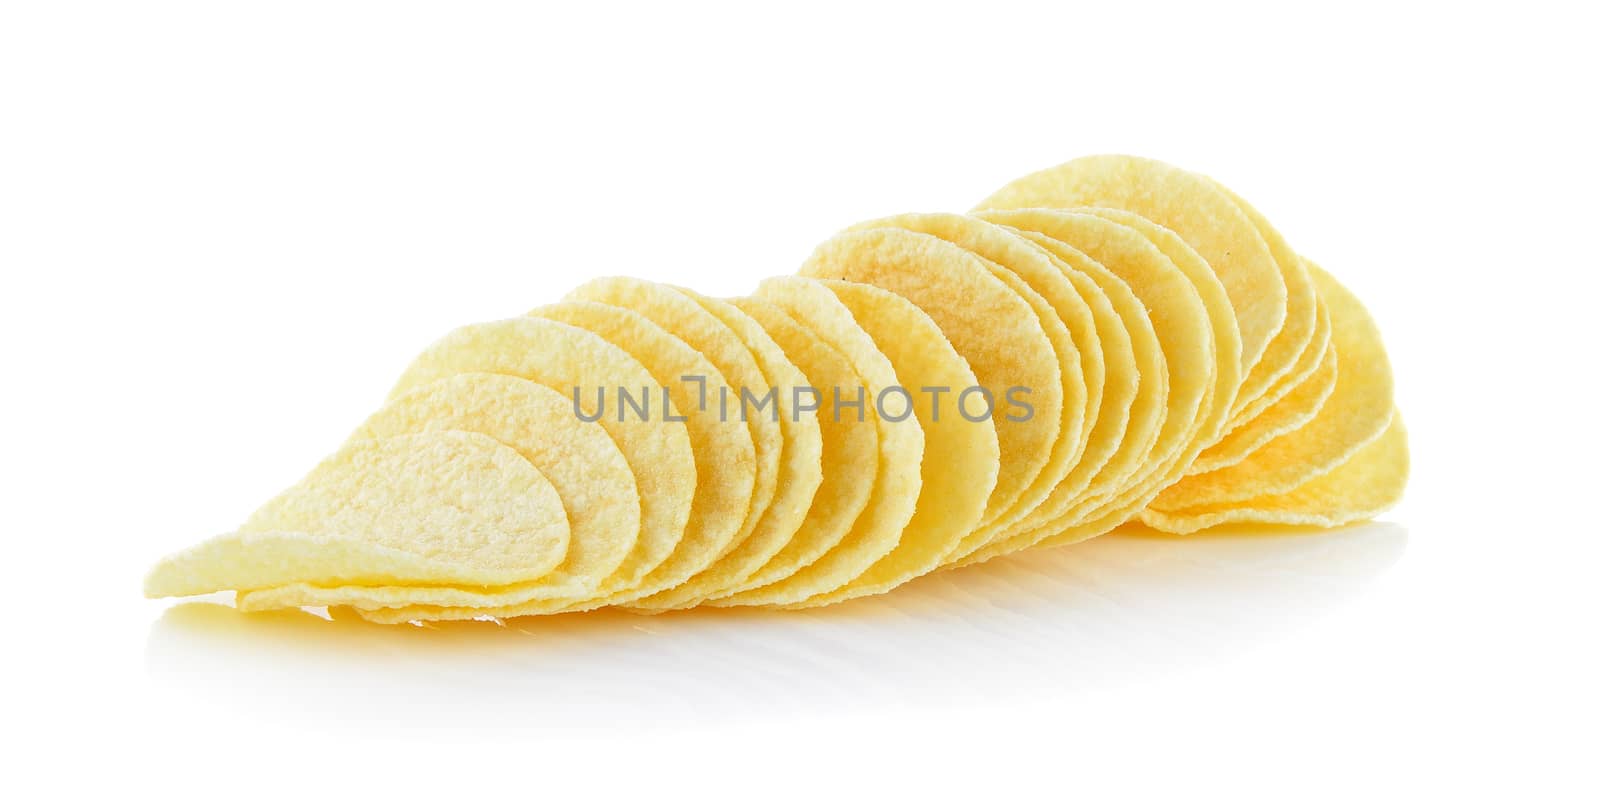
<point>1122,607</point>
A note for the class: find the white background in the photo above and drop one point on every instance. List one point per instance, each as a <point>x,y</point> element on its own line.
<point>225,228</point>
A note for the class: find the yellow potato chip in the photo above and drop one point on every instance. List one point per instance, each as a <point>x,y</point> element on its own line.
<point>1355,413</point>
<point>1370,482</point>
<point>1310,360</point>
<point>724,454</point>
<point>1283,354</point>
<point>799,462</point>
<point>898,484</point>
<point>445,507</point>
<point>588,471</point>
<point>575,362</point>
<point>1190,205</point>
<point>961,458</point>
<point>1289,413</point>
<point>1183,326</point>
<point>1224,326</point>
<point>990,324</point>
<point>1069,324</point>
<point>1146,410</point>
<point>683,317</point>
<point>1177,313</point>
<point>849,448</point>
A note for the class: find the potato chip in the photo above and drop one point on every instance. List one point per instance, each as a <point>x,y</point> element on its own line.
<point>799,463</point>
<point>1288,413</point>
<point>1355,413</point>
<point>1224,326</point>
<point>724,454</point>
<point>683,317</point>
<point>1146,411</point>
<point>898,484</point>
<point>1182,324</point>
<point>961,457</point>
<point>849,448</point>
<point>576,362</point>
<point>990,324</point>
<point>444,507</point>
<point>1278,363</point>
<point>588,471</point>
<point>1069,324</point>
<point>1177,313</point>
<point>1370,482</point>
<point>1190,205</point>
<point>1309,361</point>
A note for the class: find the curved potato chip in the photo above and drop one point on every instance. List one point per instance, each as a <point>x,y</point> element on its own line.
<point>574,361</point>
<point>1182,324</point>
<point>683,317</point>
<point>1370,482</point>
<point>1070,326</point>
<point>1288,413</point>
<point>1281,363</point>
<point>1146,408</point>
<point>724,454</point>
<point>799,472</point>
<point>1224,327</point>
<point>588,471</point>
<point>1190,205</point>
<point>435,507</point>
<point>991,325</point>
<point>1355,413</point>
<point>961,458</point>
<point>898,484</point>
<point>849,449</point>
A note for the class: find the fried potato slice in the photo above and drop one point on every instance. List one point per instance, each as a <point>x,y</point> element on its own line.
<point>588,471</point>
<point>1355,412</point>
<point>1070,325</point>
<point>961,457</point>
<point>849,448</point>
<point>724,453</point>
<point>799,462</point>
<point>443,507</point>
<point>1370,482</point>
<point>1187,340</point>
<point>1281,363</point>
<point>1191,205</point>
<point>990,323</point>
<point>575,362</point>
<point>1288,412</point>
<point>898,482</point>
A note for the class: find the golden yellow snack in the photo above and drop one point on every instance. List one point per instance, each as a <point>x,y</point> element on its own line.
<point>569,359</point>
<point>1146,407</point>
<point>1355,413</point>
<point>1225,340</point>
<point>445,507</point>
<point>990,324</point>
<point>1370,482</point>
<point>849,448</point>
<point>724,454</point>
<point>961,458</point>
<point>1069,324</point>
<point>799,463</point>
<point>1190,205</point>
<point>1182,324</point>
<point>686,319</point>
<point>1286,413</point>
<point>589,473</point>
<point>898,484</point>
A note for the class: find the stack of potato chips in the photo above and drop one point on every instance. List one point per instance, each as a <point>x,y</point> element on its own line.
<point>1112,341</point>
